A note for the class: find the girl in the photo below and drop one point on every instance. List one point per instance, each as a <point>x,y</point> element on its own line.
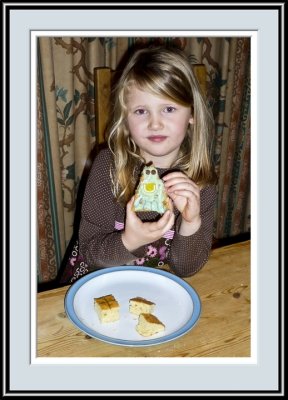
<point>159,116</point>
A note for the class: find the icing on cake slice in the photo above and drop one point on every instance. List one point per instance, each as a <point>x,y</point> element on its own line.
<point>151,194</point>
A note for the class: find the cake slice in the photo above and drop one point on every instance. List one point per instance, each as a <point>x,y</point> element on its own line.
<point>107,308</point>
<point>138,305</point>
<point>150,194</point>
<point>149,324</point>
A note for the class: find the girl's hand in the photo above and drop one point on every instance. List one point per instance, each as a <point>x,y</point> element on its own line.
<point>186,198</point>
<point>138,233</point>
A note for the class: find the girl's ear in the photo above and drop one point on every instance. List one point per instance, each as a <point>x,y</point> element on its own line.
<point>191,120</point>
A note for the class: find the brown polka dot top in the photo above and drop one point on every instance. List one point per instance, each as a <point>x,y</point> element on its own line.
<point>103,220</point>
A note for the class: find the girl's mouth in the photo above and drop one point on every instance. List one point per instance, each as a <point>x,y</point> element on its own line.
<point>157,138</point>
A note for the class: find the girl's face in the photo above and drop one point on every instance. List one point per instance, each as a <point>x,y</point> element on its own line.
<point>157,125</point>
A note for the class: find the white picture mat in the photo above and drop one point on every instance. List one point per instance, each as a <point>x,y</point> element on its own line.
<point>261,374</point>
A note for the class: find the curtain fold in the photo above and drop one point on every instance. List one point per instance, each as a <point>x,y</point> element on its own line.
<point>232,135</point>
<point>66,129</point>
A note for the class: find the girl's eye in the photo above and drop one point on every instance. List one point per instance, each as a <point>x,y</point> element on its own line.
<point>169,109</point>
<point>140,111</point>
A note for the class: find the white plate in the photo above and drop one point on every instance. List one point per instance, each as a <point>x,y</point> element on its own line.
<point>178,305</point>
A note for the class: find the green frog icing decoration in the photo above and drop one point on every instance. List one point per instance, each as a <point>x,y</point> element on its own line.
<point>151,194</point>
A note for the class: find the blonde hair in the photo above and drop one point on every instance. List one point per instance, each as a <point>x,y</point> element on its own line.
<point>163,72</point>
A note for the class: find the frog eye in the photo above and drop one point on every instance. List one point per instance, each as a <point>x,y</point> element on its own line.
<point>153,172</point>
<point>147,172</point>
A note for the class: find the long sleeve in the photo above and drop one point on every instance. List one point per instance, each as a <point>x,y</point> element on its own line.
<point>188,254</point>
<point>100,242</point>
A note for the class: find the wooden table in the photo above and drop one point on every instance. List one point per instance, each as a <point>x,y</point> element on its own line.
<point>223,329</point>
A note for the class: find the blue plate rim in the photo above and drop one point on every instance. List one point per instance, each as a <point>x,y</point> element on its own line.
<point>71,292</point>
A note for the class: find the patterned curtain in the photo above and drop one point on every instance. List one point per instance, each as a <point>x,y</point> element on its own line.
<point>66,130</point>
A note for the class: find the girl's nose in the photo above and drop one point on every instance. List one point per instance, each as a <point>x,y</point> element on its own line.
<point>155,122</point>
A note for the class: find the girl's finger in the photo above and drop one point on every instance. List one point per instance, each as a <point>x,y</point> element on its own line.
<point>168,225</point>
<point>183,188</point>
<point>162,222</point>
<point>176,174</point>
<point>184,193</point>
<point>173,182</point>
<point>170,205</point>
<point>129,210</point>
